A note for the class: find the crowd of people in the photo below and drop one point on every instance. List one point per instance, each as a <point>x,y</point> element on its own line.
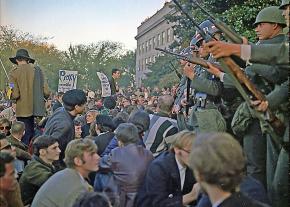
<point>198,143</point>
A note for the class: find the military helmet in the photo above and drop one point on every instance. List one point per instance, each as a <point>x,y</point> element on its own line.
<point>284,4</point>
<point>270,14</point>
<point>208,27</point>
<point>195,42</point>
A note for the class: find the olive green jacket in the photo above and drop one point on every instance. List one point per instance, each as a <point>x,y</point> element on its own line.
<point>32,178</point>
<point>20,148</point>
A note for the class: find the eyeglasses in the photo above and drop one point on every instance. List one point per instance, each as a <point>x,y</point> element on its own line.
<point>5,127</point>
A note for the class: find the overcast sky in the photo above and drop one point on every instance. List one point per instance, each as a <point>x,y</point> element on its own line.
<point>79,21</point>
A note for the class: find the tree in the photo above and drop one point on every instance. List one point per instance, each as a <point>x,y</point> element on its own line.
<point>127,63</point>
<point>46,55</point>
<point>238,14</point>
<point>163,72</point>
<point>88,59</point>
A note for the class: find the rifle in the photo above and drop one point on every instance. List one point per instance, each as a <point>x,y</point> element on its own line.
<point>226,30</point>
<point>275,126</point>
<point>175,70</point>
<point>193,60</point>
<point>188,81</point>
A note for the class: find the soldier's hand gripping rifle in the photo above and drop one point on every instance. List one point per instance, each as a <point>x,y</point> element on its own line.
<point>238,77</point>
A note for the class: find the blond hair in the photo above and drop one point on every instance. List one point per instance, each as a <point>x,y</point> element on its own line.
<point>76,148</point>
<point>183,139</point>
<point>219,160</point>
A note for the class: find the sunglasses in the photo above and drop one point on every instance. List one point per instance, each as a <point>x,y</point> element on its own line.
<point>6,127</point>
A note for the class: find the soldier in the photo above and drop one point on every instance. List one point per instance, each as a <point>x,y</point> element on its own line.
<point>269,25</point>
<point>205,116</point>
<point>268,54</point>
<point>180,94</point>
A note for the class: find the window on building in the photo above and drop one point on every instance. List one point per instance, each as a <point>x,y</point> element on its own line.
<point>168,35</point>
<point>146,61</point>
<point>163,38</point>
<point>158,39</point>
<point>147,46</point>
<point>143,47</point>
<point>140,64</point>
<point>150,60</point>
<point>140,49</point>
<point>154,42</point>
<point>154,58</point>
<point>150,44</point>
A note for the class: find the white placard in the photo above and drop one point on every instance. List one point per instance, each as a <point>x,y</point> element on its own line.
<point>67,80</point>
<point>106,88</point>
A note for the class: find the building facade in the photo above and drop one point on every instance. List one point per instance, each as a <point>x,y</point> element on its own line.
<point>155,31</point>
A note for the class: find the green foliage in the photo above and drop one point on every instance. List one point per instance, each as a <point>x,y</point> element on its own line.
<point>88,59</point>
<point>47,56</point>
<point>127,63</point>
<point>163,74</point>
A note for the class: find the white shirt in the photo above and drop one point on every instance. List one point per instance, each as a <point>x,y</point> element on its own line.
<point>181,172</point>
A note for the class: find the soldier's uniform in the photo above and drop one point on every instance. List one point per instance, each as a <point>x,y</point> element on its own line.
<point>206,115</point>
<point>265,157</point>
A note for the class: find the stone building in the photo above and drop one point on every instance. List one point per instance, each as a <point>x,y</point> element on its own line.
<point>155,31</point>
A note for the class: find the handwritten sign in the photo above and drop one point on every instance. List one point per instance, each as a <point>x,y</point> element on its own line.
<point>67,80</point>
<point>106,88</point>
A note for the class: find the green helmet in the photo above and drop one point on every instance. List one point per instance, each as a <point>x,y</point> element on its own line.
<point>283,4</point>
<point>271,14</point>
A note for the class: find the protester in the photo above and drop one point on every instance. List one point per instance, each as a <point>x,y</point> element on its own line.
<point>29,88</point>
<point>5,126</point>
<point>220,170</point>
<point>116,74</point>
<point>168,181</point>
<point>60,124</point>
<point>9,188</point>
<point>128,163</point>
<point>45,152</point>
<point>15,139</point>
<point>161,126</point>
<point>64,187</point>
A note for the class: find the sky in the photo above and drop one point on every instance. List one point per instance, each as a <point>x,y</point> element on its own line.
<point>79,21</point>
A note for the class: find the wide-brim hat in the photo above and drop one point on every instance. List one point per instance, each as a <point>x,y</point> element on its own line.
<point>21,53</point>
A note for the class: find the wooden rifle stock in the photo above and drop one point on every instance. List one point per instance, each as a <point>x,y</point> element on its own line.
<point>193,60</point>
<point>277,125</point>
